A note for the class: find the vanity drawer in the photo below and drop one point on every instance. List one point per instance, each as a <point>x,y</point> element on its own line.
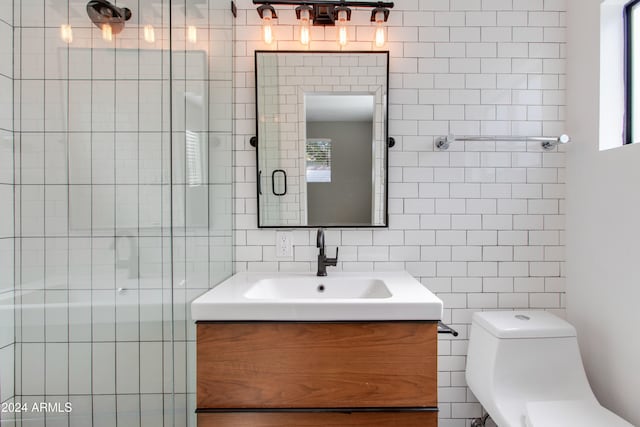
<point>317,365</point>
<point>378,419</point>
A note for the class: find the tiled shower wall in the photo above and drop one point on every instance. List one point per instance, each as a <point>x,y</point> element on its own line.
<point>7,283</point>
<point>123,206</point>
<point>481,224</point>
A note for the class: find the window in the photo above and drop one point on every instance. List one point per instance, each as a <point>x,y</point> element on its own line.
<point>632,72</point>
<point>319,159</point>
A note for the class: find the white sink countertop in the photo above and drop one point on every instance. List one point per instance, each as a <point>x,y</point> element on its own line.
<point>339,296</point>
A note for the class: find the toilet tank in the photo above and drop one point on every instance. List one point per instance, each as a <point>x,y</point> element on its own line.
<point>518,357</point>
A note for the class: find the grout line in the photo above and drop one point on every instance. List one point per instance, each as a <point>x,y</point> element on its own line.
<point>138,246</point>
<point>115,222</point>
<point>91,350</point>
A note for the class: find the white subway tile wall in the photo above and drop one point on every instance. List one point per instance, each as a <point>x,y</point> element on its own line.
<point>7,233</point>
<point>481,224</point>
<point>111,245</point>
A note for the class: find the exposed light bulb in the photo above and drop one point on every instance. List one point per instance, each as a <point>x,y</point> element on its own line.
<point>66,33</point>
<point>267,30</point>
<point>192,34</point>
<point>380,33</point>
<point>304,27</point>
<point>107,32</point>
<point>304,35</point>
<point>342,36</point>
<point>149,34</point>
<point>380,36</point>
<point>342,28</point>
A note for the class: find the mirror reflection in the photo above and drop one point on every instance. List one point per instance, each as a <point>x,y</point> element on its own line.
<point>322,139</point>
<point>339,140</point>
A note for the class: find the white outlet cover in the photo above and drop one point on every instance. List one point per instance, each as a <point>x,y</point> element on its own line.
<point>284,244</point>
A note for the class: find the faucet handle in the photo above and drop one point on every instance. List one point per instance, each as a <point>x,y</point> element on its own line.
<point>333,261</point>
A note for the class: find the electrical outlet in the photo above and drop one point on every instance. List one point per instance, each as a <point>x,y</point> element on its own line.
<point>284,244</point>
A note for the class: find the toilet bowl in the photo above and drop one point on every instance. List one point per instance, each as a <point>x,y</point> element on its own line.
<point>526,371</point>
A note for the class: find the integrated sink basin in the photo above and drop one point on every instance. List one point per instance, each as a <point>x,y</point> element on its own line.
<point>306,297</point>
<point>313,287</point>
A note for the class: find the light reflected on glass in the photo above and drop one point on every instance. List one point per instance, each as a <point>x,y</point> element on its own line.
<point>107,32</point>
<point>149,34</point>
<point>66,33</point>
<point>192,34</point>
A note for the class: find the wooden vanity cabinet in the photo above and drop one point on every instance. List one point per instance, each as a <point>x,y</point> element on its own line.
<point>372,419</point>
<point>259,374</point>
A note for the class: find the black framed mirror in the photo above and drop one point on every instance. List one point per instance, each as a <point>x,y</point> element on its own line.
<point>322,138</point>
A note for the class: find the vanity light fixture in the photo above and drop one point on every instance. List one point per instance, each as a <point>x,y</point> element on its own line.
<point>324,13</point>
<point>342,16</point>
<point>380,15</point>
<point>267,14</point>
<point>304,13</point>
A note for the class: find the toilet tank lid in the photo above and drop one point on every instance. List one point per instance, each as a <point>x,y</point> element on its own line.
<point>523,324</point>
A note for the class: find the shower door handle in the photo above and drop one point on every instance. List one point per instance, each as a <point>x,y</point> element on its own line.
<point>273,182</point>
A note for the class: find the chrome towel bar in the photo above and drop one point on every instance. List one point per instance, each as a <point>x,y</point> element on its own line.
<point>443,142</point>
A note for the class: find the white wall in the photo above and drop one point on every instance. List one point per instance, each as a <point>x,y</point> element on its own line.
<point>603,230</point>
<point>482,224</point>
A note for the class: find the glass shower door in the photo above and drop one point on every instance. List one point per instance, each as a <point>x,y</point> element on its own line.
<point>122,183</point>
<point>201,185</point>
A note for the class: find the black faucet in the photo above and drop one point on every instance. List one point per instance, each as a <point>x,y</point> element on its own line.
<point>323,261</point>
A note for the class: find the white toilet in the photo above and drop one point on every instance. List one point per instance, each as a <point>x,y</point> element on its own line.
<point>525,369</point>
